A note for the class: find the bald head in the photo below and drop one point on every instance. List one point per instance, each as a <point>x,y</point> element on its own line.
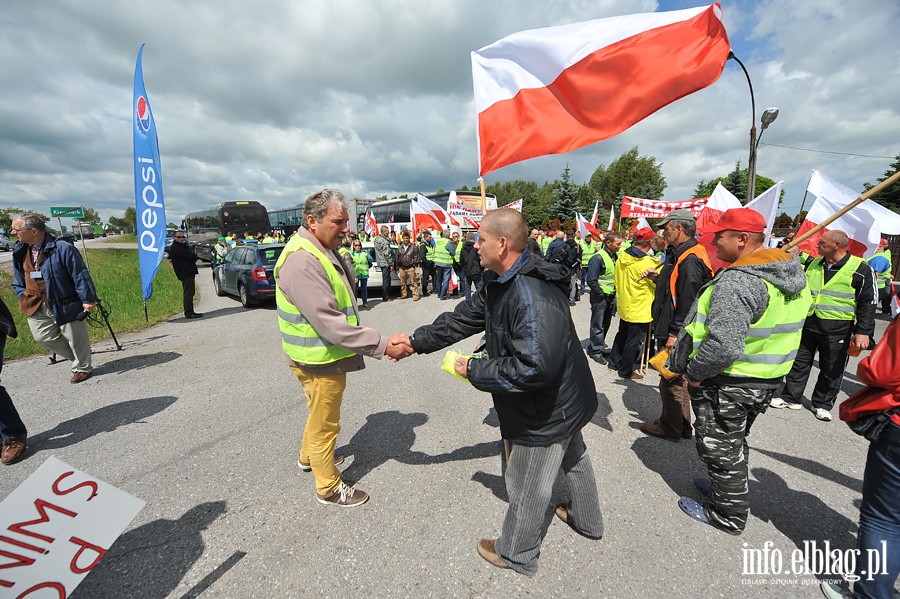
<point>506,222</point>
<point>839,238</point>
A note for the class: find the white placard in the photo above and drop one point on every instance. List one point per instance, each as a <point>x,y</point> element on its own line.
<point>55,527</point>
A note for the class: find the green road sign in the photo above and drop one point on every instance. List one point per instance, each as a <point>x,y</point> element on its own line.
<point>67,211</point>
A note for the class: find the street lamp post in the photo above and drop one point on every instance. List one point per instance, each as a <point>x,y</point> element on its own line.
<point>768,116</point>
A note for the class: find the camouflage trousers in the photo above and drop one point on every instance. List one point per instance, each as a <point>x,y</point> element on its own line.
<point>724,415</point>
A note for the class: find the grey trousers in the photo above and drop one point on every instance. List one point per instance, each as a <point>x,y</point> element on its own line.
<point>70,341</point>
<point>530,477</point>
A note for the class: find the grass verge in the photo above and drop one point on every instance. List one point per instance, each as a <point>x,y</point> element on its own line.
<point>117,277</point>
<point>126,238</point>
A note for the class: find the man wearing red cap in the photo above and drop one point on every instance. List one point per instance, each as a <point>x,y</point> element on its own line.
<point>743,333</point>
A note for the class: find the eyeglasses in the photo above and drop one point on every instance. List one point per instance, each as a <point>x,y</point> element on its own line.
<point>178,237</point>
<point>14,231</point>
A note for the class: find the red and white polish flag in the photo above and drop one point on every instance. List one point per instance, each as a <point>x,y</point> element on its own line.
<point>553,90</point>
<point>585,227</point>
<point>422,218</point>
<point>864,224</point>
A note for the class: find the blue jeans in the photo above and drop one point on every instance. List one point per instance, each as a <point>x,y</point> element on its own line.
<point>443,278</point>
<point>601,316</point>
<point>879,517</point>
<point>11,425</point>
<point>362,289</point>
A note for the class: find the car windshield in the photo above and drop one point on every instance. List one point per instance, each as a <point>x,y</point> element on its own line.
<point>269,256</point>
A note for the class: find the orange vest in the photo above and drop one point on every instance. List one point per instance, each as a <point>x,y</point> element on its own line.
<point>697,250</point>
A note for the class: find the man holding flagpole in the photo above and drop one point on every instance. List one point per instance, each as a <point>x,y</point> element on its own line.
<point>842,311</point>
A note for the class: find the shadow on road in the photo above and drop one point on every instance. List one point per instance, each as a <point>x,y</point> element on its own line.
<point>149,561</point>
<point>103,420</point>
<point>391,436</point>
<point>179,319</point>
<point>676,464</point>
<point>137,362</point>
<point>816,468</point>
<point>604,409</point>
<point>800,516</point>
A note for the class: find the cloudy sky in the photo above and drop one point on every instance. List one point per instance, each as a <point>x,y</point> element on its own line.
<point>273,100</point>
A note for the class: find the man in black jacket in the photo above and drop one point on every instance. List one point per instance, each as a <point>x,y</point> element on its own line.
<point>470,264</point>
<point>541,385</point>
<point>686,269</point>
<point>184,263</point>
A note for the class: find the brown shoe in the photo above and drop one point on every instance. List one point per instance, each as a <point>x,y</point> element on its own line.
<point>344,496</point>
<point>80,377</point>
<point>562,513</point>
<point>487,550</point>
<point>13,450</point>
<point>635,376</point>
<point>656,429</point>
<point>306,467</point>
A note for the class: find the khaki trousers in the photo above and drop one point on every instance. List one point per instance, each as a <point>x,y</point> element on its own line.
<point>70,341</point>
<point>408,274</point>
<point>324,394</point>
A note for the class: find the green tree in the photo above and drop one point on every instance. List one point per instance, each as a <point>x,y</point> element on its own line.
<point>131,218</point>
<point>565,206</point>
<point>91,217</point>
<point>630,174</point>
<point>536,201</point>
<point>7,214</point>
<point>121,224</point>
<point>889,197</point>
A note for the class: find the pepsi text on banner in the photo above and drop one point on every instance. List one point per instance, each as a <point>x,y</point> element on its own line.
<point>148,191</point>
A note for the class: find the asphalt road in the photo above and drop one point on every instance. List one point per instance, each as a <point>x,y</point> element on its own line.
<point>201,419</point>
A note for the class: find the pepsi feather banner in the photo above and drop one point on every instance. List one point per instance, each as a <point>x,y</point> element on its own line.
<point>148,191</point>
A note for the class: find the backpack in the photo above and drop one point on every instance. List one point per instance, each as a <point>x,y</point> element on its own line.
<point>560,256</point>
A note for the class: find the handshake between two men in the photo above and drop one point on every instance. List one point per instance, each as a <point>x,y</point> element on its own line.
<point>399,346</point>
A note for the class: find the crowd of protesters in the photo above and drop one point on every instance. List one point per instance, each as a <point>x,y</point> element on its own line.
<point>728,342</point>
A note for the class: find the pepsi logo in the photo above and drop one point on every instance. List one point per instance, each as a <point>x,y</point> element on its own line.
<point>143,114</point>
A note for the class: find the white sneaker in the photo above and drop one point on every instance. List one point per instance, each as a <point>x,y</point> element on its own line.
<point>833,591</point>
<point>823,415</point>
<point>780,403</point>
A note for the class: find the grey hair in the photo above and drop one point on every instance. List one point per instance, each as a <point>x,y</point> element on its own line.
<point>32,221</point>
<point>689,226</point>
<point>318,203</point>
<point>839,237</point>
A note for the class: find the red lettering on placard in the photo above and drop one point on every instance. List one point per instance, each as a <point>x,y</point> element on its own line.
<point>85,545</point>
<point>21,560</point>
<point>86,483</point>
<point>46,585</point>
<point>21,544</point>
<point>40,504</point>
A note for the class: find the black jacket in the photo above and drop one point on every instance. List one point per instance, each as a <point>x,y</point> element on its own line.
<point>537,372</point>
<point>692,275</point>
<point>470,260</point>
<point>184,261</point>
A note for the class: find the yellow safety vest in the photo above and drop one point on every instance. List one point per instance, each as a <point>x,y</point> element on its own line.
<point>299,339</point>
<point>771,342</point>
<point>607,280</point>
<point>837,299</point>
<point>587,251</point>
<point>441,255</point>
<point>881,278</point>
